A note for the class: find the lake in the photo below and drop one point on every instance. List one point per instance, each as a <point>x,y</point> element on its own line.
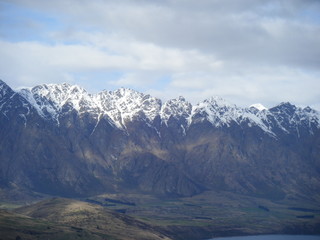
<point>273,237</point>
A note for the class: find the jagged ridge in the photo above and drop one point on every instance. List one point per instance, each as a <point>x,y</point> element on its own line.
<point>59,139</point>
<point>126,105</point>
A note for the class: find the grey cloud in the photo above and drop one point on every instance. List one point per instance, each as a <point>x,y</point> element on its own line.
<point>269,32</point>
<point>265,32</point>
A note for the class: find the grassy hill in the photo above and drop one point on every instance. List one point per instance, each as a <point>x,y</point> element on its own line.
<point>140,216</point>
<point>15,226</point>
<point>60,218</point>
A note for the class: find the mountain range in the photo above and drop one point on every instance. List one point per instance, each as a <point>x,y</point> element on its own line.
<point>58,139</point>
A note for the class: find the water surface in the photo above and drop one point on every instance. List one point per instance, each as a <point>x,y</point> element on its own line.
<point>273,237</point>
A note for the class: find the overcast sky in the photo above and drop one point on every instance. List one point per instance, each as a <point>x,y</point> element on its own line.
<point>246,51</point>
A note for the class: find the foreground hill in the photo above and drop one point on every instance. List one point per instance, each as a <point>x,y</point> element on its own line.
<point>192,218</point>
<point>88,221</point>
<point>15,226</point>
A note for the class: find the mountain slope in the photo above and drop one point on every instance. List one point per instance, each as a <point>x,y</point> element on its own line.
<point>58,139</point>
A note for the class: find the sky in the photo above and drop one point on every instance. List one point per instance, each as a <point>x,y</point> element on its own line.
<point>245,51</point>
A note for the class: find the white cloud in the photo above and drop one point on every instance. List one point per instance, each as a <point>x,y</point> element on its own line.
<point>244,87</point>
<point>137,79</point>
<point>141,62</point>
<point>42,63</point>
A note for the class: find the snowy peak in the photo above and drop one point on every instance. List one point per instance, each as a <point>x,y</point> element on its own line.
<point>12,105</point>
<point>5,90</point>
<point>310,116</point>
<point>51,100</point>
<point>126,105</point>
<point>288,118</point>
<point>176,108</point>
<point>5,94</point>
<point>61,94</point>
<point>284,108</point>
<point>258,106</point>
<point>217,111</point>
<point>219,102</point>
<point>220,112</point>
<point>130,102</point>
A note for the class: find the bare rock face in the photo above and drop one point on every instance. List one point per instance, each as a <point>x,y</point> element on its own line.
<point>61,140</point>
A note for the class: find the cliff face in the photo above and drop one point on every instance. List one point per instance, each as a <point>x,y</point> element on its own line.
<point>60,140</point>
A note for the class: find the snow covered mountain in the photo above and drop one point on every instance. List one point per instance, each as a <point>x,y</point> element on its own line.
<point>58,139</point>
<point>126,105</point>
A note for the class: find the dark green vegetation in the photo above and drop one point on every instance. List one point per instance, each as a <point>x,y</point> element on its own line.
<point>219,214</point>
<point>148,217</point>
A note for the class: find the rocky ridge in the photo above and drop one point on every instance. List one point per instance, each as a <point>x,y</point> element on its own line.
<point>61,140</point>
<point>125,105</point>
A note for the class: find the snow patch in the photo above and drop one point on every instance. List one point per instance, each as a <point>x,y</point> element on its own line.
<point>258,106</point>
<point>126,105</point>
